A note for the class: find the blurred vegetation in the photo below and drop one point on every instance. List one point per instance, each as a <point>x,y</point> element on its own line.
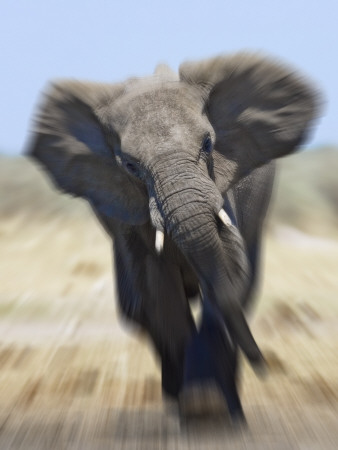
<point>305,196</point>
<point>27,191</point>
<point>306,192</point>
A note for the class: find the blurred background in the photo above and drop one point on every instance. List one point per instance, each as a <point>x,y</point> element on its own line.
<point>72,375</point>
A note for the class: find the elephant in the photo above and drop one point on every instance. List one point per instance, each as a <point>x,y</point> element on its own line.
<point>179,169</point>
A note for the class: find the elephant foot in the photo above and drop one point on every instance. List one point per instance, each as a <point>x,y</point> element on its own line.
<point>198,400</point>
<point>172,378</point>
<point>238,420</point>
<point>210,368</point>
<point>206,401</point>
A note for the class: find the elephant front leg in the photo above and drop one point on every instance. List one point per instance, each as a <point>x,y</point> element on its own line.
<point>152,293</point>
<point>168,320</point>
<point>210,372</point>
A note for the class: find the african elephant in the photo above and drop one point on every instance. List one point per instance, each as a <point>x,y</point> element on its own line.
<point>179,171</point>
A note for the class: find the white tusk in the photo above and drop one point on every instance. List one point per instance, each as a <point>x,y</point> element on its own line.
<point>159,240</point>
<point>224,217</point>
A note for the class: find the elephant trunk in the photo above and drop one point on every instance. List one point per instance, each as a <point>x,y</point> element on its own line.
<point>188,204</point>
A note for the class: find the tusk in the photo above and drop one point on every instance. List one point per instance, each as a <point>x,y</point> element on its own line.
<point>224,217</point>
<point>159,240</point>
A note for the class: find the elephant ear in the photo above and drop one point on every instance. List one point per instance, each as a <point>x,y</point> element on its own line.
<point>71,141</point>
<point>259,110</point>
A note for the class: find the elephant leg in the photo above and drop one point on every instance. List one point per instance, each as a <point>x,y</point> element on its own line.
<point>152,294</point>
<point>211,362</point>
<point>168,318</point>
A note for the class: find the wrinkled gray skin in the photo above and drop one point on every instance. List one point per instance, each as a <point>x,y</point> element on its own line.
<point>168,152</point>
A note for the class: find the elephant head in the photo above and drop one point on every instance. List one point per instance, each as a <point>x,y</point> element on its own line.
<point>167,148</point>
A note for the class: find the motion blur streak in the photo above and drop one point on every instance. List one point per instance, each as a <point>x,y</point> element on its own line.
<point>72,378</point>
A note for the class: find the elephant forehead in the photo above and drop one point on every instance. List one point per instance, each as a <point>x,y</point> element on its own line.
<point>162,116</point>
<point>159,106</point>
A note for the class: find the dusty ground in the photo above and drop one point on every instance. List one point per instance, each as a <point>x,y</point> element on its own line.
<point>73,377</point>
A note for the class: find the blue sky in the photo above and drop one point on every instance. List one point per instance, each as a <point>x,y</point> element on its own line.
<point>111,40</point>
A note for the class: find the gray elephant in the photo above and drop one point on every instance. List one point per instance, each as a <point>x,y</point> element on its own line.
<point>179,171</point>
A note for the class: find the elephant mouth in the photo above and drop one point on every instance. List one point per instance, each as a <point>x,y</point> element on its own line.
<point>159,235</point>
<point>158,223</point>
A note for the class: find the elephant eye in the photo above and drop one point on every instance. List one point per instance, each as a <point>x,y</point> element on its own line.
<point>207,144</point>
<point>133,169</point>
